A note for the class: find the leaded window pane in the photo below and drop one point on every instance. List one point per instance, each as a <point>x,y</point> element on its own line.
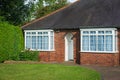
<point>33,42</point>
<point>100,32</point>
<point>85,32</point>
<point>51,41</point>
<point>93,43</point>
<point>98,40</point>
<point>28,42</point>
<point>40,40</point>
<point>101,43</point>
<point>85,44</point>
<point>109,43</point>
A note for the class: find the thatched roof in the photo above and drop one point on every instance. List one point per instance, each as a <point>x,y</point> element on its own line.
<point>81,14</point>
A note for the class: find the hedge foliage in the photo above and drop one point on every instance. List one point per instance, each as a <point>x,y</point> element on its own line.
<point>11,41</point>
<point>28,55</point>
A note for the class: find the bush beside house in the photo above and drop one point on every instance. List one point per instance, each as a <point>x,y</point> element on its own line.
<point>11,42</point>
<point>28,55</point>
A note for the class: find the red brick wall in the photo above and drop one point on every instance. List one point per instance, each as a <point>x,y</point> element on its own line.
<point>106,59</point>
<point>58,55</point>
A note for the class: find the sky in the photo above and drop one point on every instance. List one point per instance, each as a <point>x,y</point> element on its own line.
<point>72,0</point>
<point>68,0</point>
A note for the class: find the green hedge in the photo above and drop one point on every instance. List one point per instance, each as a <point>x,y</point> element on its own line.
<point>29,55</point>
<point>11,41</point>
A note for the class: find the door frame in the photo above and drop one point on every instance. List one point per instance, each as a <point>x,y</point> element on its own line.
<point>68,36</point>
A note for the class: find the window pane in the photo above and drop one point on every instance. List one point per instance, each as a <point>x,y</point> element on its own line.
<point>108,32</point>
<point>39,32</point>
<point>100,40</point>
<point>33,42</point>
<point>85,43</point>
<point>100,32</point>
<point>28,44</point>
<point>39,46</point>
<point>39,40</point>
<point>92,43</point>
<point>92,32</point>
<point>109,43</point>
<point>101,43</point>
<point>45,32</point>
<point>51,33</point>
<point>33,32</point>
<point>51,42</point>
<point>45,42</point>
<point>85,32</point>
<point>28,33</point>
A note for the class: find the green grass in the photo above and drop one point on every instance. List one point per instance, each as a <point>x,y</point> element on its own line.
<point>46,72</point>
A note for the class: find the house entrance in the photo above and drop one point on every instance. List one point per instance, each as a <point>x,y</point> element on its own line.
<point>68,47</point>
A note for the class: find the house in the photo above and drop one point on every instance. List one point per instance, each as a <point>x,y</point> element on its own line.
<point>87,32</point>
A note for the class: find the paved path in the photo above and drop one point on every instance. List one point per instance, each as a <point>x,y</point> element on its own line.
<point>108,73</point>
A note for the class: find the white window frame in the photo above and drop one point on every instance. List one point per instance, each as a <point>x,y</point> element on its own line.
<point>49,47</point>
<point>114,34</point>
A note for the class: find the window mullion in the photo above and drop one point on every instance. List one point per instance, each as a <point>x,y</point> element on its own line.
<point>96,40</point>
<point>42,41</point>
<point>89,40</point>
<point>49,38</point>
<point>113,40</point>
<point>104,41</point>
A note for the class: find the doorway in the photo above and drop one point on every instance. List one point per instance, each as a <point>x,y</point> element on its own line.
<point>69,47</point>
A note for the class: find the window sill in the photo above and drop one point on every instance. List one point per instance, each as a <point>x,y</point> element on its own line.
<point>43,50</point>
<point>99,52</point>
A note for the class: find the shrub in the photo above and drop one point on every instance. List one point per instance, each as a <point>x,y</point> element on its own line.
<point>28,55</point>
<point>11,42</point>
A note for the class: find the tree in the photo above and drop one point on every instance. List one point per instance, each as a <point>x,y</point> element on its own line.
<point>45,7</point>
<point>18,12</point>
<point>15,12</point>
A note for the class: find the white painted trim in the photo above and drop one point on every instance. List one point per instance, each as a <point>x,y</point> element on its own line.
<point>116,33</point>
<point>67,54</point>
<point>100,29</point>
<point>49,49</point>
<point>41,50</point>
<point>100,51</point>
<point>66,49</point>
<point>38,30</point>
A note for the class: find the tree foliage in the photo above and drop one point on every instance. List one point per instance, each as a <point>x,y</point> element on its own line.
<point>44,7</point>
<point>15,12</point>
<point>18,12</point>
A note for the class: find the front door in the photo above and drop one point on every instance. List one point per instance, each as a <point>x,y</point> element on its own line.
<point>68,47</point>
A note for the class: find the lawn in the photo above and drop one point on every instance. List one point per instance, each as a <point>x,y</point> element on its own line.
<point>46,72</point>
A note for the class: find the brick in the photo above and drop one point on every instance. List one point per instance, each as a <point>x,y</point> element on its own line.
<point>105,59</point>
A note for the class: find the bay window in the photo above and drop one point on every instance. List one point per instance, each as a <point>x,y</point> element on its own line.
<point>42,40</point>
<point>98,40</point>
